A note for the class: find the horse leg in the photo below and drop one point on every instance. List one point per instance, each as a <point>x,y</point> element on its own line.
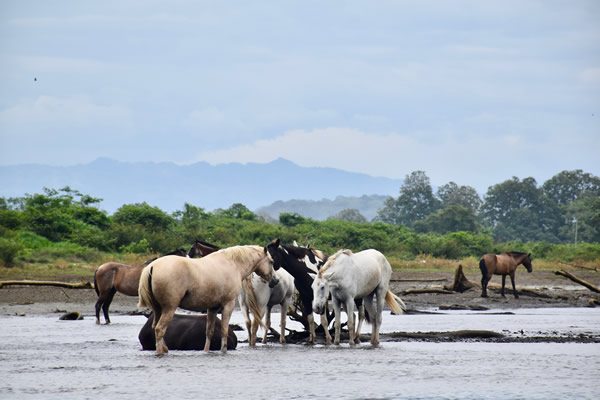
<point>311,328</point>
<point>225,317</point>
<point>370,309</point>
<point>361,318</point>
<point>107,303</point>
<point>376,320</point>
<point>246,317</point>
<point>267,326</point>
<point>325,325</point>
<point>503,284</point>
<point>338,320</point>
<point>512,280</point>
<point>161,329</point>
<point>484,277</point>
<point>99,303</point>
<point>283,320</point>
<point>349,306</point>
<point>210,328</point>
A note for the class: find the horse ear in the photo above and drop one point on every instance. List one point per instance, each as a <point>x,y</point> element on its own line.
<point>529,255</point>
<point>276,242</point>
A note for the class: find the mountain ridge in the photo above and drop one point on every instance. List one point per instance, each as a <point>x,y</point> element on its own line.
<point>169,186</point>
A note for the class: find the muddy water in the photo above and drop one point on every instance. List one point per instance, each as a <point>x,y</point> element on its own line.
<point>43,358</point>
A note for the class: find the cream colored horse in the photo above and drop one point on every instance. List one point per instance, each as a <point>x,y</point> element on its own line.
<point>210,283</point>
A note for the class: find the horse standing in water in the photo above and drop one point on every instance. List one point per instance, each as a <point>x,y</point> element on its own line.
<point>301,263</point>
<point>212,283</point>
<point>255,289</point>
<point>113,277</point>
<point>348,277</point>
<point>502,264</point>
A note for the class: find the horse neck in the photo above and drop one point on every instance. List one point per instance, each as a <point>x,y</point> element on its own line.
<point>250,264</point>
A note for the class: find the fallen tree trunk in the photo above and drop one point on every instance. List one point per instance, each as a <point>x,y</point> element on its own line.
<point>427,290</point>
<point>580,281</point>
<point>580,266</point>
<point>69,285</point>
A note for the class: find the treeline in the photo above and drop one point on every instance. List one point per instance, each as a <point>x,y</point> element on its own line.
<point>564,209</point>
<point>66,223</point>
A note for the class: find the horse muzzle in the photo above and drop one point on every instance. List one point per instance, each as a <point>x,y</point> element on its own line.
<point>273,282</point>
<point>318,310</point>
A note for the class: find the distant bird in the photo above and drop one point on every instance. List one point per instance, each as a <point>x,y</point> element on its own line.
<point>35,79</point>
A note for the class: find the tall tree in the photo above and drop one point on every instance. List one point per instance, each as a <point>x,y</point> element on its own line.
<point>452,194</point>
<point>518,210</point>
<point>416,201</point>
<point>568,186</point>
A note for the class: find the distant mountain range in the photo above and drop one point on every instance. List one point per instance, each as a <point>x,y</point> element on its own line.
<point>168,185</point>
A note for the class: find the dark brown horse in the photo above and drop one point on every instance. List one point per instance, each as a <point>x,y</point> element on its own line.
<point>502,264</point>
<point>201,249</point>
<point>113,277</point>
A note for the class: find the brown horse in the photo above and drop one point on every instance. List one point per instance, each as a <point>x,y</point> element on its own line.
<point>201,249</point>
<point>212,283</point>
<point>113,277</point>
<point>502,264</point>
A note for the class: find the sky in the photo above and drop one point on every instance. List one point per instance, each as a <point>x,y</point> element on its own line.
<point>473,92</point>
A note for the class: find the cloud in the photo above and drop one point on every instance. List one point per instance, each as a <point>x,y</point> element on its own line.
<point>471,159</point>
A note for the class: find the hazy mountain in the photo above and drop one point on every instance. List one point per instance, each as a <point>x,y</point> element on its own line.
<point>368,205</point>
<point>168,185</point>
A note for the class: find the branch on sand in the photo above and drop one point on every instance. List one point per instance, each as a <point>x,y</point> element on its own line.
<point>580,281</point>
<point>69,285</point>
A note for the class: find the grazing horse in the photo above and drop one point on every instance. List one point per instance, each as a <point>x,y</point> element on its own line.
<point>201,249</point>
<point>113,277</point>
<point>186,332</point>
<point>255,289</point>
<point>347,277</point>
<point>502,264</point>
<point>212,283</point>
<point>302,263</point>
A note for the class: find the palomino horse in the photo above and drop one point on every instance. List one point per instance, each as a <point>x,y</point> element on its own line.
<point>302,263</point>
<point>113,277</point>
<point>212,283</point>
<point>502,264</point>
<point>201,249</point>
<point>255,289</point>
<point>348,276</point>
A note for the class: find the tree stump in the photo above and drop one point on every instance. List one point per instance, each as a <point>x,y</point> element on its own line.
<point>461,283</point>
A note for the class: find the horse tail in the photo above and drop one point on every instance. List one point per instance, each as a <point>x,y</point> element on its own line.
<point>484,269</point>
<point>395,303</point>
<point>251,300</point>
<point>96,284</point>
<point>146,297</point>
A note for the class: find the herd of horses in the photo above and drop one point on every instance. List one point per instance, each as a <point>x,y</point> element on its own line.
<point>211,280</point>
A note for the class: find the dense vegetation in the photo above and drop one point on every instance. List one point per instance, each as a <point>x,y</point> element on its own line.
<point>452,223</point>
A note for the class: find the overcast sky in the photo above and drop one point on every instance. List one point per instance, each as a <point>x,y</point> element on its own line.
<point>469,91</point>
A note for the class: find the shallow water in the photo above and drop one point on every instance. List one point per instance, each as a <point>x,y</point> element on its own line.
<point>42,357</point>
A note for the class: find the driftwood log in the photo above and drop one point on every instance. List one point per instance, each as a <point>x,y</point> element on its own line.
<point>580,281</point>
<point>462,334</point>
<point>461,283</point>
<point>69,285</point>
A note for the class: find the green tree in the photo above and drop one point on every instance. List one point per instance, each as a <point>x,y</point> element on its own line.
<point>568,186</point>
<point>416,201</point>
<point>149,217</point>
<point>452,194</point>
<point>453,218</point>
<point>350,215</point>
<point>519,210</point>
<point>238,211</point>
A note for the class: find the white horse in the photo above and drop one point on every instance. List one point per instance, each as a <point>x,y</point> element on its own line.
<point>348,277</point>
<point>256,290</point>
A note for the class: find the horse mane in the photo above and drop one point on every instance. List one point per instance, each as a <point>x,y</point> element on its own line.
<point>516,253</point>
<point>240,253</point>
<point>331,260</point>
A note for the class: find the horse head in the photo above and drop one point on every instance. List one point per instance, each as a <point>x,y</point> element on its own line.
<point>527,263</point>
<point>274,260</point>
<point>320,289</point>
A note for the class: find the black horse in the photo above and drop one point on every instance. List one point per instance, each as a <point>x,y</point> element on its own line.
<point>186,332</point>
<point>294,260</point>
